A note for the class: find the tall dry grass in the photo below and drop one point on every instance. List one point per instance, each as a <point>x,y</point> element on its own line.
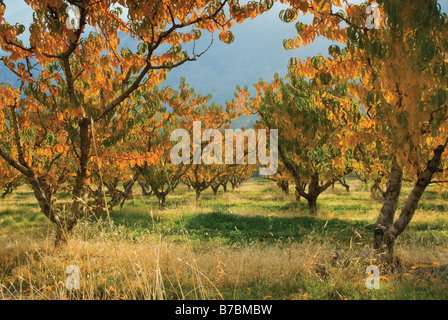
<point>114,266</point>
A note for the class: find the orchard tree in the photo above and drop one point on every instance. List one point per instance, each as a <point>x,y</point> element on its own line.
<point>40,143</point>
<point>77,76</point>
<point>201,176</point>
<point>316,126</point>
<point>397,69</point>
<point>10,180</point>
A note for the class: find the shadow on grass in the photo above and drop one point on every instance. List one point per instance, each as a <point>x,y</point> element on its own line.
<point>432,207</point>
<point>233,228</point>
<point>271,205</point>
<point>241,229</point>
<point>343,208</point>
<point>24,220</point>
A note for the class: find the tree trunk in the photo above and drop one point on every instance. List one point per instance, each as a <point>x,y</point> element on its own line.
<point>312,205</point>
<point>373,190</point>
<point>344,184</point>
<point>65,225</point>
<point>376,187</point>
<point>128,189</point>
<point>81,176</point>
<point>63,231</point>
<point>300,190</point>
<point>313,194</point>
<point>145,191</point>
<point>387,231</point>
<point>198,194</point>
<point>382,244</point>
<point>360,178</point>
<point>162,199</point>
<point>215,188</point>
<point>297,194</point>
<point>284,186</point>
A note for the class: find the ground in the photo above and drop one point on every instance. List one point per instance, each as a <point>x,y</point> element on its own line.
<point>251,243</point>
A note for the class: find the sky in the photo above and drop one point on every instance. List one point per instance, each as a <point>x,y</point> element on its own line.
<point>256,52</point>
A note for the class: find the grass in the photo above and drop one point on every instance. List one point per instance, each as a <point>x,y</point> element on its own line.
<point>251,243</point>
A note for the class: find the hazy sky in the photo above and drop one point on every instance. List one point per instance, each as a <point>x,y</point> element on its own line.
<point>256,52</point>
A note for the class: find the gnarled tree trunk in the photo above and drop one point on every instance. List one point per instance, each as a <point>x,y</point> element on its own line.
<point>344,184</point>
<point>382,244</point>
<point>215,188</point>
<point>162,199</point>
<point>376,187</point>
<point>145,190</point>
<point>387,231</point>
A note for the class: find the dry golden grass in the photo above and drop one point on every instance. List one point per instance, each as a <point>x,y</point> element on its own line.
<point>113,267</point>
